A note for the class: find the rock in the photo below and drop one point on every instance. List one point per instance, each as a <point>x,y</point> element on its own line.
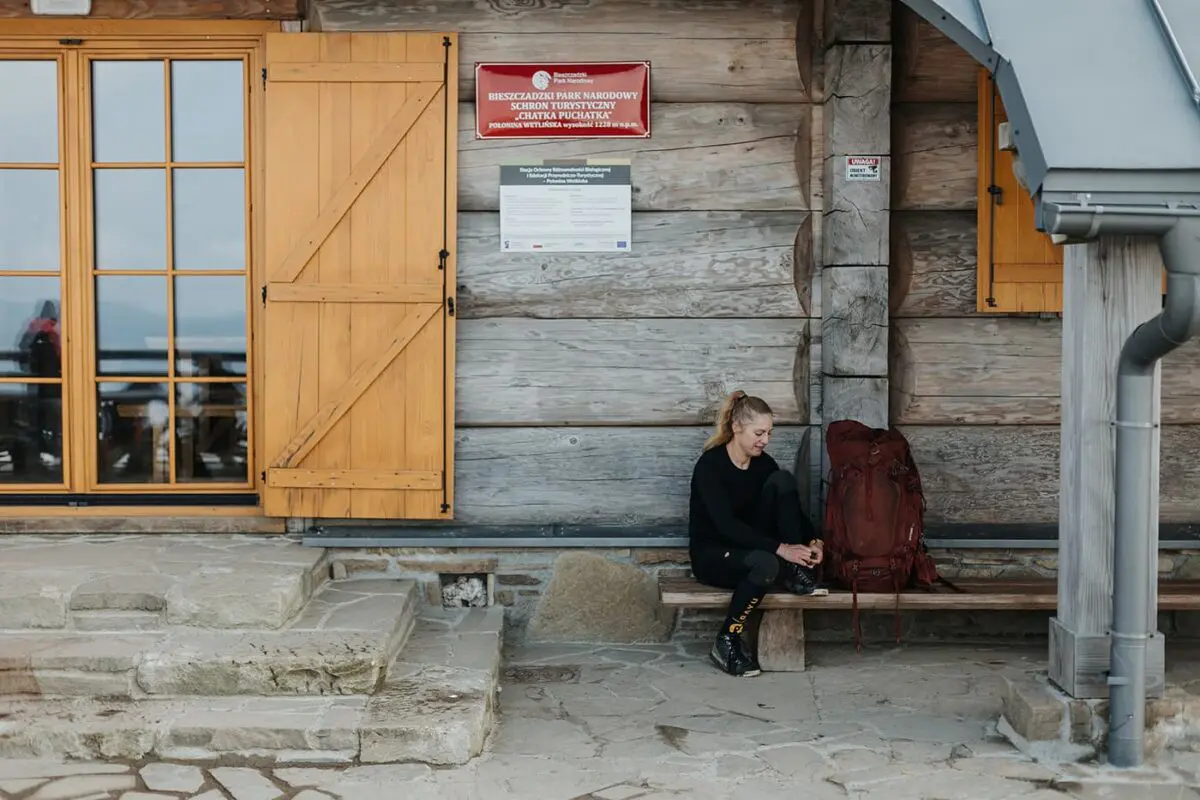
<point>591,598</point>
<point>246,784</point>
<point>172,778</point>
<point>1033,710</point>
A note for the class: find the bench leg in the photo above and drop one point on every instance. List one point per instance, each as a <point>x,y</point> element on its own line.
<point>781,640</point>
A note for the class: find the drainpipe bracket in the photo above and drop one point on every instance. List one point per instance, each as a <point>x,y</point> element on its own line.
<point>1120,423</point>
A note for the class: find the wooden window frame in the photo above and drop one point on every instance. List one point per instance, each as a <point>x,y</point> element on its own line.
<point>60,39</point>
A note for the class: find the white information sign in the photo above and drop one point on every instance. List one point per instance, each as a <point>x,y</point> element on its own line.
<point>862,168</point>
<point>573,208</point>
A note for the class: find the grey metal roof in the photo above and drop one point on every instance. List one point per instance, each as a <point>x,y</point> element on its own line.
<point>1097,96</point>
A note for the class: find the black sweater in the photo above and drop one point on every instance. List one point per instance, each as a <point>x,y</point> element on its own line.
<point>724,502</point>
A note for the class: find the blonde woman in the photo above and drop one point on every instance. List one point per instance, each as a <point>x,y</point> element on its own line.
<point>746,529</point>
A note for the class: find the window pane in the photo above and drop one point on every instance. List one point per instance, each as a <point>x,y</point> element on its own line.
<point>210,219</point>
<point>131,219</point>
<point>210,326</point>
<point>210,431</point>
<point>207,110</point>
<point>131,325</point>
<point>29,112</point>
<point>30,337</point>
<point>128,111</point>
<point>30,433</point>
<point>132,433</point>
<point>29,219</point>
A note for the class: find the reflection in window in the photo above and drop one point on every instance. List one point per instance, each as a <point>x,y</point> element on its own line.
<point>210,430</point>
<point>131,324</point>
<point>128,102</point>
<point>30,433</point>
<point>28,112</point>
<point>131,219</point>
<point>29,227</point>
<point>31,337</point>
<point>132,432</point>
<point>210,326</point>
<point>210,219</point>
<point>207,111</point>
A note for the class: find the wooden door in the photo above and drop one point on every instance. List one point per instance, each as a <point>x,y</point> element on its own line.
<point>360,198</point>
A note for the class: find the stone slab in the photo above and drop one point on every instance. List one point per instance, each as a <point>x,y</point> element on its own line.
<point>247,784</point>
<point>205,581</point>
<point>437,706</point>
<point>172,778</point>
<point>341,646</point>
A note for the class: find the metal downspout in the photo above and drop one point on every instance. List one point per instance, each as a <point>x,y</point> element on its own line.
<point>1135,464</point>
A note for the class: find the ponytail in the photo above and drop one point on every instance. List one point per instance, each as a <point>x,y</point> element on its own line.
<point>737,407</point>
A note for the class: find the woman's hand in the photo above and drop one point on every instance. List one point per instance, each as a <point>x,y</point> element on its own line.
<point>796,554</point>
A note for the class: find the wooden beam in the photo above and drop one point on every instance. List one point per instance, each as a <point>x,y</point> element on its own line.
<point>628,372</point>
<point>174,9</point>
<point>935,153</point>
<point>934,264</point>
<point>749,49</point>
<point>1005,370</point>
<point>703,264</point>
<point>354,293</point>
<point>412,72</point>
<point>391,480</point>
<point>930,67</point>
<point>1112,285</point>
<point>748,152</point>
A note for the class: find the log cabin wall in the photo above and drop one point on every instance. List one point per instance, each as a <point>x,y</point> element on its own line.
<point>977,393</point>
<point>586,383</point>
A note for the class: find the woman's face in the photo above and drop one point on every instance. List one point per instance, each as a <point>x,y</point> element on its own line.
<point>753,436</point>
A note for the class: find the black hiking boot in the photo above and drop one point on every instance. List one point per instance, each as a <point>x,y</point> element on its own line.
<point>729,654</point>
<point>797,579</point>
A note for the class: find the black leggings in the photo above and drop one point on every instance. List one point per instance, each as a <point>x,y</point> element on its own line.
<point>752,573</point>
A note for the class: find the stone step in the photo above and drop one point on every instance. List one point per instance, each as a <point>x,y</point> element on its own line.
<point>218,582</point>
<point>437,706</point>
<point>339,645</point>
<point>117,621</point>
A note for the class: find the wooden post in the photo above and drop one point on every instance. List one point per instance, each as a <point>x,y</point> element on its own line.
<point>855,223</point>
<point>1110,287</point>
<point>781,640</point>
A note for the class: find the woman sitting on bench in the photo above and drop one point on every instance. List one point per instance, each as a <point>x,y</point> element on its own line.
<point>746,529</point>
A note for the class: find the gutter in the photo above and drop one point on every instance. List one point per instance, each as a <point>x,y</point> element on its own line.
<point>1137,434</point>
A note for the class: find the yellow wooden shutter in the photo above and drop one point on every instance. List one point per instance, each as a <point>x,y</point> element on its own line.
<point>1020,269</point>
<point>360,199</point>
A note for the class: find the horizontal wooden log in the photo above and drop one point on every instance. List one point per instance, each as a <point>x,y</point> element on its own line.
<point>930,67</point>
<point>701,52</point>
<point>934,150</point>
<point>858,21</point>
<point>618,476</point>
<point>627,372</point>
<point>934,268</point>
<point>704,156</point>
<point>982,474</point>
<point>692,264</point>
<point>174,9</point>
<point>1005,370</point>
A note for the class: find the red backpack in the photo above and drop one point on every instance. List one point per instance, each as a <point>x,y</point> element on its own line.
<point>874,515</point>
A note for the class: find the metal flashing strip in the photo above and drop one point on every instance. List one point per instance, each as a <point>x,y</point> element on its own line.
<point>1189,76</point>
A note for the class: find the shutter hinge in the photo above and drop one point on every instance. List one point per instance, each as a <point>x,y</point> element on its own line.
<point>263,474</point>
<point>445,507</point>
<point>443,254</point>
<point>264,294</point>
<point>264,77</point>
<point>450,306</point>
<point>996,192</point>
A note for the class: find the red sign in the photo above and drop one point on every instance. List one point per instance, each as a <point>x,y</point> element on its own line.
<point>535,101</point>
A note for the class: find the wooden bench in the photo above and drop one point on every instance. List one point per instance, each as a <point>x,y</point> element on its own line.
<point>780,633</point>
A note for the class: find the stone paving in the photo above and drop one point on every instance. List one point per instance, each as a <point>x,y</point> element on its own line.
<point>657,722</point>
